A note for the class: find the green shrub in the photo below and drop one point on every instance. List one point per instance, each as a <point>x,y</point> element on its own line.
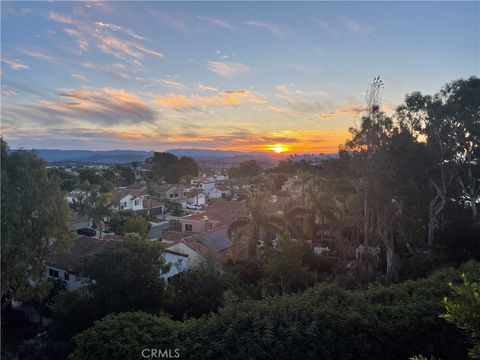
<point>325,322</point>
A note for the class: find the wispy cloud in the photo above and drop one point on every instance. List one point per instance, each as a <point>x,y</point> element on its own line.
<point>207,87</point>
<point>8,92</point>
<point>171,21</point>
<point>96,105</point>
<point>15,64</point>
<point>104,36</point>
<point>218,22</point>
<point>60,18</point>
<point>326,27</point>
<point>79,77</point>
<point>227,69</point>
<point>173,84</point>
<point>358,27</point>
<point>40,54</point>
<point>273,28</point>
<point>119,28</point>
<point>222,99</point>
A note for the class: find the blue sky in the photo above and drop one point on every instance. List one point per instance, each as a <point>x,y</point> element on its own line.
<point>222,75</point>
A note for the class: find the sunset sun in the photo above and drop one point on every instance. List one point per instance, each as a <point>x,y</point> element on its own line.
<point>278,148</point>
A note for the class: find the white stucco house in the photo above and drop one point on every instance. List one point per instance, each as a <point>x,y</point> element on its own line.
<point>128,199</point>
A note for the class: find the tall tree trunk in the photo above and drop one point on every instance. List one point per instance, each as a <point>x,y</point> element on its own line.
<point>392,271</point>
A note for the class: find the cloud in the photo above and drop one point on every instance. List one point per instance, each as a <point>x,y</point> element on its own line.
<point>8,92</point>
<point>227,69</point>
<point>218,22</point>
<point>175,23</point>
<point>274,29</point>
<point>357,27</point>
<point>79,77</point>
<point>115,27</point>
<point>350,108</point>
<point>60,18</point>
<point>103,35</point>
<point>120,48</point>
<point>40,54</point>
<point>15,64</point>
<point>107,106</point>
<point>327,28</point>
<point>173,84</point>
<point>222,99</point>
<point>207,87</point>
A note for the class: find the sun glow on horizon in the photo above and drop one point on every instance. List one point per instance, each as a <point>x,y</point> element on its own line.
<point>278,148</point>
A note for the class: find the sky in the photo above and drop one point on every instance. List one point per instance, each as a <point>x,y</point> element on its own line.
<point>249,76</point>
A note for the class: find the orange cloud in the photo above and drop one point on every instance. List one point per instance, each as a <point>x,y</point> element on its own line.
<point>223,99</point>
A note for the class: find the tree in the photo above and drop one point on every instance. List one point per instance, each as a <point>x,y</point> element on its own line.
<point>34,217</point>
<point>284,271</point>
<point>127,277</point>
<point>257,221</point>
<point>147,334</point>
<point>197,291</point>
<point>185,166</point>
<point>249,168</point>
<point>124,222</point>
<point>161,161</point>
<point>97,207</point>
<point>450,122</point>
<point>463,310</point>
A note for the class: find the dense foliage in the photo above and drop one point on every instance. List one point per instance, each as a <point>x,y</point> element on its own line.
<point>171,168</point>
<point>34,219</point>
<point>325,322</point>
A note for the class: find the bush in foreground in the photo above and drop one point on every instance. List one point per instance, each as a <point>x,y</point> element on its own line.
<point>326,322</point>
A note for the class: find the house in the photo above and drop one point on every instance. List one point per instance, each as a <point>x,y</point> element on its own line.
<point>218,192</point>
<point>76,195</point>
<point>62,265</point>
<point>196,197</point>
<point>178,262</point>
<point>170,192</point>
<point>196,223</point>
<point>128,199</point>
<point>154,206</point>
<point>205,233</point>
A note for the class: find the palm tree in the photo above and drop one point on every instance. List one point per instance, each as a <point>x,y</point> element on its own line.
<point>135,168</point>
<point>97,206</point>
<point>257,221</point>
<point>317,207</point>
<point>305,178</point>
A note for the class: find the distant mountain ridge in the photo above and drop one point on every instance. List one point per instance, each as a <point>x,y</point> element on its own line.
<point>126,156</point>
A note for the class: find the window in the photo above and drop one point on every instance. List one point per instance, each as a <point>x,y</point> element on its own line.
<point>137,202</point>
<point>66,276</point>
<point>176,195</point>
<point>171,196</point>
<point>53,273</point>
<point>124,204</point>
<point>188,227</point>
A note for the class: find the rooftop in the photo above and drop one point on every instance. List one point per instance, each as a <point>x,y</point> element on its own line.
<point>84,246</point>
